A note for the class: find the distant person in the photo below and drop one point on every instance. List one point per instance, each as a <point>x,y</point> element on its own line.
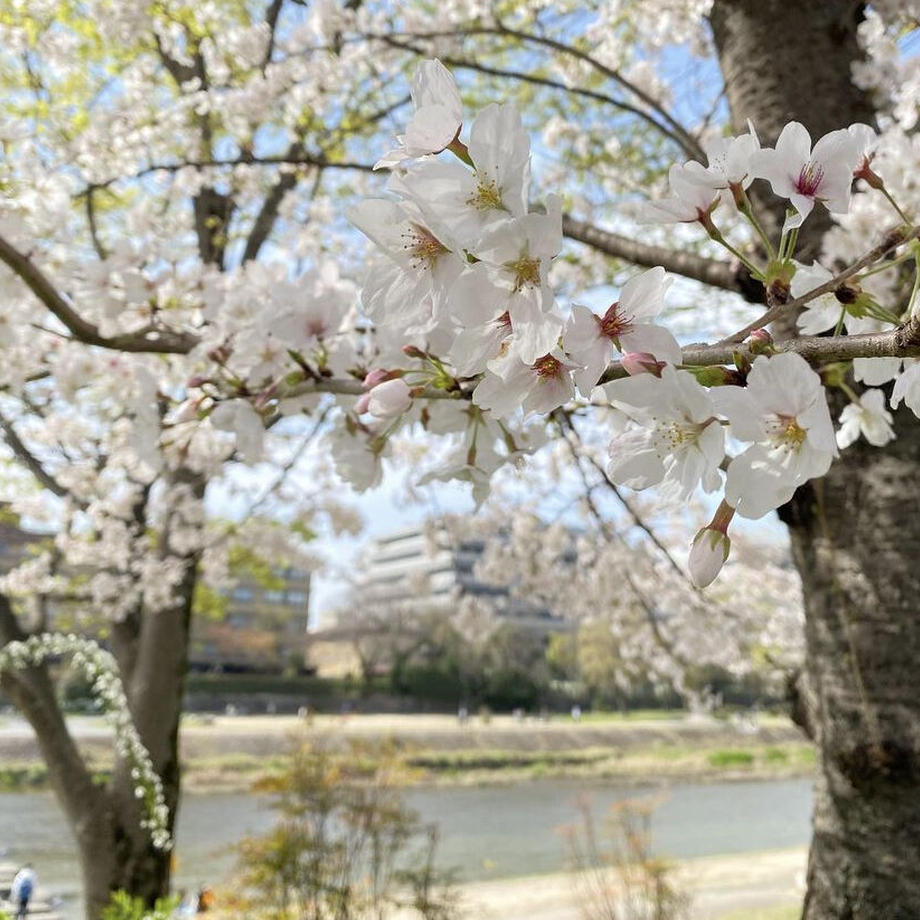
<point>22,889</point>
<point>188,905</point>
<point>576,713</point>
<point>205,900</point>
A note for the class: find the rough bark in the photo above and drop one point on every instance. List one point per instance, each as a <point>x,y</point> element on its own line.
<point>855,534</point>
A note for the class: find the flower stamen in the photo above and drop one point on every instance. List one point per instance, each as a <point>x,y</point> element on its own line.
<point>422,246</point>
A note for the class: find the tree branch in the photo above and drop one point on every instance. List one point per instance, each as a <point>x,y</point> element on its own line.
<point>533,79</point>
<point>30,461</point>
<point>892,241</point>
<point>671,128</point>
<point>151,339</point>
<point>729,276</point>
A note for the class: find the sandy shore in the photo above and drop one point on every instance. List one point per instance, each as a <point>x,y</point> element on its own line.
<point>719,886</point>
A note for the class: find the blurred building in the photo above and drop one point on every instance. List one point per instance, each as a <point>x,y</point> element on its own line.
<point>423,569</point>
<point>263,628</point>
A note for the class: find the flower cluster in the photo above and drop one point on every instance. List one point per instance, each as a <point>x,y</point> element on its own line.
<point>463,273</point>
<point>101,670</point>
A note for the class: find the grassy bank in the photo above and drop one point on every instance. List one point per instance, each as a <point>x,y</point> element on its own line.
<point>237,772</point>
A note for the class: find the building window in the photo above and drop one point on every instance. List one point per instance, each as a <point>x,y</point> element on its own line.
<point>242,593</point>
<point>297,597</point>
<point>274,597</point>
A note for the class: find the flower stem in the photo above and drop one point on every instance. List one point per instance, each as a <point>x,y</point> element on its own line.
<point>839,327</point>
<point>744,206</point>
<point>912,303</point>
<point>895,205</point>
<point>716,235</point>
<point>886,264</point>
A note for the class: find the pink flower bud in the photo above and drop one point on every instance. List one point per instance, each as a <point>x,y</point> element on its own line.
<point>374,377</point>
<point>708,552</point>
<point>762,336</point>
<point>641,362</point>
<point>412,351</point>
<point>198,380</point>
<point>389,399</point>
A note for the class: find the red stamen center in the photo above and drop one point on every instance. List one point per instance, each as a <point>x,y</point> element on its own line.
<point>809,180</point>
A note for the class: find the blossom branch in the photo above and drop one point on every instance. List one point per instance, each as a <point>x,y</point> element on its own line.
<point>671,128</point>
<point>534,79</point>
<point>577,450</point>
<point>151,339</point>
<point>891,242</point>
<point>30,461</point>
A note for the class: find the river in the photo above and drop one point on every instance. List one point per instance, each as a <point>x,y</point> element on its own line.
<point>485,831</point>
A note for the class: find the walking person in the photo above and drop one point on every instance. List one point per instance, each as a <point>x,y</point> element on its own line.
<point>22,889</point>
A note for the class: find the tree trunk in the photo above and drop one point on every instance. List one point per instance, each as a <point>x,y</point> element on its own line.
<point>152,653</point>
<point>855,534</point>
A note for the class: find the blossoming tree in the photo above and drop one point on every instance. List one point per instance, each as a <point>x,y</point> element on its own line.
<point>175,178</point>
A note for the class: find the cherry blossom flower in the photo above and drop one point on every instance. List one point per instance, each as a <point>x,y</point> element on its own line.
<point>907,388</point>
<point>804,174</point>
<point>868,418</point>
<point>591,339</point>
<point>425,268</point>
<point>461,203</point>
<point>537,387</point>
<point>672,434</point>
<point>437,118</point>
<point>864,141</point>
<point>690,200</point>
<point>516,258</point>
<point>784,411</point>
<point>821,313</point>
<point>238,416</point>
<point>729,162</point>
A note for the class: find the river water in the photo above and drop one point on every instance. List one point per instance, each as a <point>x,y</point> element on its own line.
<point>485,831</point>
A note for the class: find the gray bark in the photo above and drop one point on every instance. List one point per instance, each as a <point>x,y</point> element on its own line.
<point>855,534</point>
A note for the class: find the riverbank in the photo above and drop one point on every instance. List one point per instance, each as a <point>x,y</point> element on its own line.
<point>228,753</point>
<point>754,886</point>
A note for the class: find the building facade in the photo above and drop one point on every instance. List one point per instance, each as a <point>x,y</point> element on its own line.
<point>262,628</point>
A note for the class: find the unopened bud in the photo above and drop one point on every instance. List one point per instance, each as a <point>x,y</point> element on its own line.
<point>412,351</point>
<point>198,380</point>
<point>378,375</point>
<point>641,362</point>
<point>716,376</point>
<point>760,342</point>
<point>708,552</point>
<point>389,399</point>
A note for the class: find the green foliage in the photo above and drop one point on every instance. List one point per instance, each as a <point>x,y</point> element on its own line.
<point>208,603</point>
<point>124,906</point>
<point>731,757</point>
<point>562,656</point>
